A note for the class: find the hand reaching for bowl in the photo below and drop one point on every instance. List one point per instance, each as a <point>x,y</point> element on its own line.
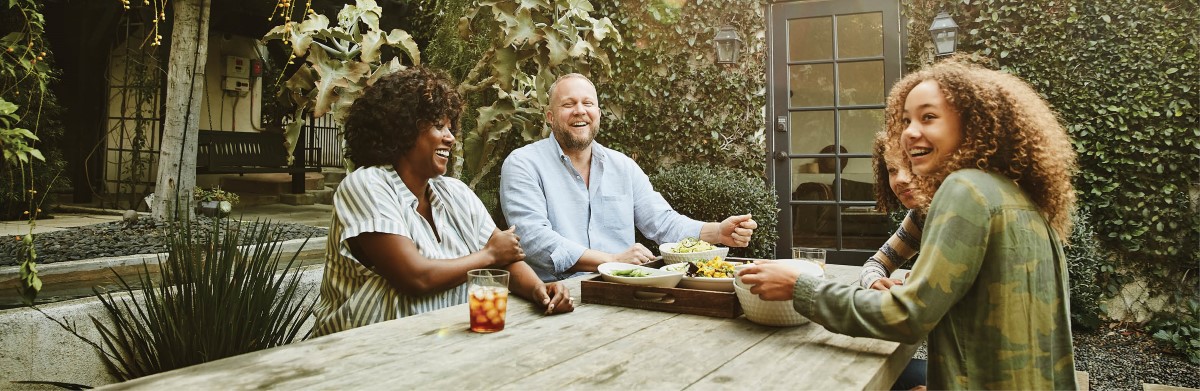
<point>770,280</point>
<point>636,254</point>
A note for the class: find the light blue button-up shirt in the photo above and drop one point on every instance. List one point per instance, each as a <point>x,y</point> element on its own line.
<point>558,216</point>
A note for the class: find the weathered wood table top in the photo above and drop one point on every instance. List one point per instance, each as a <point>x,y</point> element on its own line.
<point>597,346</point>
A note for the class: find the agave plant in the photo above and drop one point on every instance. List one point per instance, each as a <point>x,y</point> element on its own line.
<point>214,300</point>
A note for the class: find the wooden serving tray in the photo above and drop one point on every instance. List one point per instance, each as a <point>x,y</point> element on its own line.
<point>595,290</point>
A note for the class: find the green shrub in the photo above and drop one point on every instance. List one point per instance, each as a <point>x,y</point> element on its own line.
<point>1085,255</point>
<point>712,193</point>
<point>1181,331</point>
<point>214,300</point>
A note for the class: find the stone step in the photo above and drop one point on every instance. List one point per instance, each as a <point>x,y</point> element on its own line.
<point>1161,387</point>
<point>333,176</point>
<point>275,183</point>
<point>255,199</point>
<point>310,197</point>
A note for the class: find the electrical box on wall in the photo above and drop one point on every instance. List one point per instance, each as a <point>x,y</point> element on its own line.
<point>237,67</point>
<point>236,85</point>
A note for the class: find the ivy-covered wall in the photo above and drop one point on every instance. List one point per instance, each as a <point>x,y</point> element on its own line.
<point>663,98</point>
<point>666,100</point>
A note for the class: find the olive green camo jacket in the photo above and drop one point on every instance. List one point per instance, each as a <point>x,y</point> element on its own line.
<point>989,289</point>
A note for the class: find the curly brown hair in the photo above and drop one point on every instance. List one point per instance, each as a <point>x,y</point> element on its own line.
<point>383,124</point>
<point>883,188</point>
<point>1007,129</point>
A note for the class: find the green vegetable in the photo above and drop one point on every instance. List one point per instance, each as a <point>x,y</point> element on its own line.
<point>631,273</point>
<point>692,245</point>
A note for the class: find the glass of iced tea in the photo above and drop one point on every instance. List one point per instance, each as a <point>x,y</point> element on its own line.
<point>488,291</point>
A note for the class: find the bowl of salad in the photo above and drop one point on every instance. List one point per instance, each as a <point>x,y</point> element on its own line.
<point>626,273</point>
<point>714,274</point>
<point>773,313</point>
<point>690,249</point>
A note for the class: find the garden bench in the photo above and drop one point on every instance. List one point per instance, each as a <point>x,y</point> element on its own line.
<point>225,152</point>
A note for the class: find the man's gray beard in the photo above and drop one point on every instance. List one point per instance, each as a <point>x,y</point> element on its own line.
<point>570,143</point>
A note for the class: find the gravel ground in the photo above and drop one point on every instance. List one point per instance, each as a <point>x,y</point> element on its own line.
<point>1115,357</point>
<point>1118,358</point>
<point>1121,358</point>
<point>119,238</point>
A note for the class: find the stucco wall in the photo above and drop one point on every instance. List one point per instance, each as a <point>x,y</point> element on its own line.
<point>34,347</point>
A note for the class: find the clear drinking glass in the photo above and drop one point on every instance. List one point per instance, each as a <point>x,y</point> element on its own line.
<point>811,254</point>
<point>488,298</point>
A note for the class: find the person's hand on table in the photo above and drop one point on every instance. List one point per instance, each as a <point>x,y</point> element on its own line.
<point>736,231</point>
<point>554,297</point>
<point>770,280</point>
<point>636,254</point>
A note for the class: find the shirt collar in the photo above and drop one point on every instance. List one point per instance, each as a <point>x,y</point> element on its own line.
<point>598,154</point>
<point>407,196</point>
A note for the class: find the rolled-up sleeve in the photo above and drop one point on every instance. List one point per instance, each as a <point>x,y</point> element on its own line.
<point>366,203</point>
<point>523,201</point>
<point>654,217</point>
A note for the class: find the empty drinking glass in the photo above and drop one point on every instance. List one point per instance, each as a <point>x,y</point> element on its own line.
<point>811,254</point>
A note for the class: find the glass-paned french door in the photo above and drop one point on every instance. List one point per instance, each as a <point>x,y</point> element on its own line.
<point>830,66</point>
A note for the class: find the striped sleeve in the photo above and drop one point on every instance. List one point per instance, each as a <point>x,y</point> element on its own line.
<point>901,247</point>
<point>368,203</point>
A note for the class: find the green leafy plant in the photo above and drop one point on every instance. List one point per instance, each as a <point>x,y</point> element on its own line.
<point>666,100</point>
<point>339,60</point>
<point>1085,256</point>
<point>14,141</point>
<point>1182,332</point>
<point>533,42</point>
<point>25,73</point>
<point>712,193</point>
<point>214,300</point>
<point>215,194</point>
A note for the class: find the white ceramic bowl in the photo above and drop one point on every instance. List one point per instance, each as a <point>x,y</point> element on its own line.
<point>701,283</point>
<point>657,278</point>
<point>773,313</point>
<point>670,257</point>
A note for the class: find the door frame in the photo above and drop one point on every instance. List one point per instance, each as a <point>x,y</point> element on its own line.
<point>777,111</point>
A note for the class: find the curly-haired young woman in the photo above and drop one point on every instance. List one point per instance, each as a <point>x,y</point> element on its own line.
<point>404,236</point>
<point>892,168</point>
<point>989,288</point>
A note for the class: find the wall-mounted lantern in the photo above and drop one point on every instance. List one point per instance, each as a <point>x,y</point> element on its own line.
<point>728,45</point>
<point>945,34</point>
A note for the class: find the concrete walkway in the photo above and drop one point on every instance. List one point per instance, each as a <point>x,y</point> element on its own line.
<point>58,223</point>
<point>317,215</point>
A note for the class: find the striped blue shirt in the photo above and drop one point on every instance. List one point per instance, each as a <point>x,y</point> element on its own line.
<point>374,199</point>
<point>558,216</point>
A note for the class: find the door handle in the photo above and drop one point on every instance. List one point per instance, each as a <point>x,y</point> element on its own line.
<point>780,155</point>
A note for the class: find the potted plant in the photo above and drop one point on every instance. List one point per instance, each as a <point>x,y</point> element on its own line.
<point>214,202</point>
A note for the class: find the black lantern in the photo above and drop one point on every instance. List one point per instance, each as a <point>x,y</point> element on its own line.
<point>728,44</point>
<point>945,34</point>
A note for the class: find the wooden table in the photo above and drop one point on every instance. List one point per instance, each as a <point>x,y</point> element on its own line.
<point>597,346</point>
